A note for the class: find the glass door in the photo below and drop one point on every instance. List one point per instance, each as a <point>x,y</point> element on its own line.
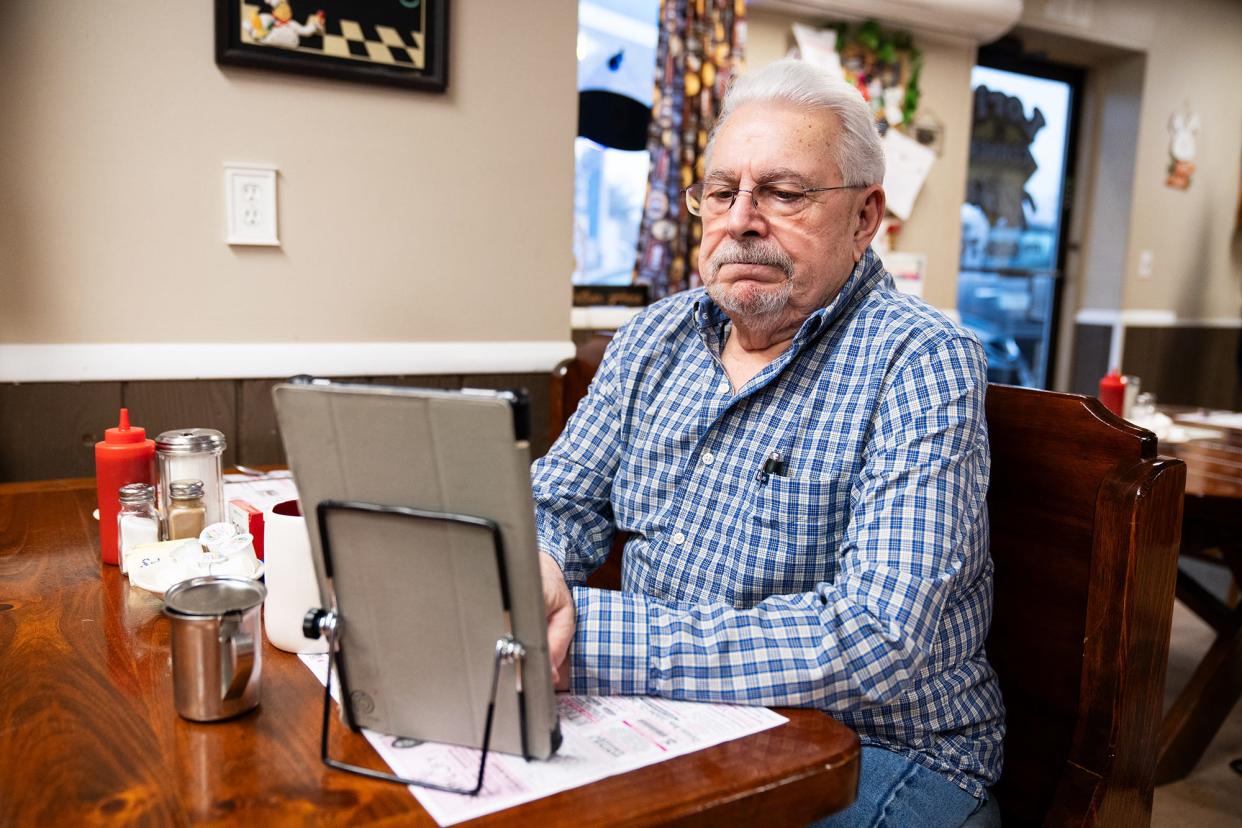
<point>1016,211</point>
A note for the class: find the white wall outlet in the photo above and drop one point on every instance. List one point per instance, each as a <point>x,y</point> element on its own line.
<point>250,192</point>
<point>1145,262</point>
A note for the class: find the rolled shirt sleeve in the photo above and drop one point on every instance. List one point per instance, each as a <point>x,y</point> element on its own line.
<point>572,483</point>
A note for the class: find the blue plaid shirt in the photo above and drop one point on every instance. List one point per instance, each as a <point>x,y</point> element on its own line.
<point>858,581</point>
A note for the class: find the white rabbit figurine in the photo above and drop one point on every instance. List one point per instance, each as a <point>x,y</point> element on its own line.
<point>1182,129</point>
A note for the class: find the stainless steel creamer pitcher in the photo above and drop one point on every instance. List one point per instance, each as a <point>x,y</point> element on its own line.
<point>216,646</point>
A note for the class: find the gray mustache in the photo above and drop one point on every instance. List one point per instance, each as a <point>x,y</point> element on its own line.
<point>731,252</point>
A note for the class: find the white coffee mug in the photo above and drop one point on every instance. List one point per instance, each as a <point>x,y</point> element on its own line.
<point>290,576</point>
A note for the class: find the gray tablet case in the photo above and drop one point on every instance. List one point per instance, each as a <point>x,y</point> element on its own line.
<point>420,583</point>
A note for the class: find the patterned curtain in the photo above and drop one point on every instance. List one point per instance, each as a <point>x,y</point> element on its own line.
<point>700,47</point>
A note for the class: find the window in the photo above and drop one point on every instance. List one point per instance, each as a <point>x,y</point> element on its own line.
<point>617,42</point>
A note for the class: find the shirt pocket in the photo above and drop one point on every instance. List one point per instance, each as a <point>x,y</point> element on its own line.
<point>797,525</point>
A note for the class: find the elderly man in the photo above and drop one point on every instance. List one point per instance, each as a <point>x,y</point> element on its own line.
<point>800,456</point>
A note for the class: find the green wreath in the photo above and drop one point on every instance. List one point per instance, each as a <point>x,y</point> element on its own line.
<point>887,48</point>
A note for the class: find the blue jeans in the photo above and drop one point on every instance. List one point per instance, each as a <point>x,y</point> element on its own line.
<point>896,791</point>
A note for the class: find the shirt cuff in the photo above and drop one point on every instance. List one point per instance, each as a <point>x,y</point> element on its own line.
<point>559,546</point>
<point>609,654</point>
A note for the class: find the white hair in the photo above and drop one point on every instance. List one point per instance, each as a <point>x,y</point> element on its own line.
<point>859,156</point>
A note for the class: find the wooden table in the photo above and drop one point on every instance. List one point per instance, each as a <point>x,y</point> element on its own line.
<point>1211,529</point>
<point>88,733</point>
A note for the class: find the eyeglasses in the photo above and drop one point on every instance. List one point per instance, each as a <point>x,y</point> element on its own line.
<point>774,199</point>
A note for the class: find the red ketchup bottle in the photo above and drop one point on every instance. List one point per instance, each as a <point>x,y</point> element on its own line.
<point>124,455</point>
<point>1113,392</point>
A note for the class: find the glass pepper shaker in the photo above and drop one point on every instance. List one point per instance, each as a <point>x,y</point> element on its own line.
<point>137,522</point>
<point>187,515</point>
<point>192,454</point>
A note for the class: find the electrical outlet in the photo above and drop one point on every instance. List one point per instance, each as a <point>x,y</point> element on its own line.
<point>250,191</point>
<point>1145,262</point>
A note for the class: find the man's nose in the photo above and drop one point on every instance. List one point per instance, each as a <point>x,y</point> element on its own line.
<point>744,218</point>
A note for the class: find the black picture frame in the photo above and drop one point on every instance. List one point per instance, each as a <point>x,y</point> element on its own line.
<point>403,43</point>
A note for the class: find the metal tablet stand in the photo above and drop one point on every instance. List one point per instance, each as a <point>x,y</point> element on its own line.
<point>328,623</point>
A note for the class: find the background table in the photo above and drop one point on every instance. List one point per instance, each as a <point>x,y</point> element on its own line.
<point>88,732</point>
<point>1211,530</point>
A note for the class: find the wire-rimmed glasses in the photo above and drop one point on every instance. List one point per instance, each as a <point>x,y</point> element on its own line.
<point>777,198</point>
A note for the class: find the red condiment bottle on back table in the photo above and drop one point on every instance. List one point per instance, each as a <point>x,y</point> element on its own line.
<point>1113,392</point>
<point>124,455</point>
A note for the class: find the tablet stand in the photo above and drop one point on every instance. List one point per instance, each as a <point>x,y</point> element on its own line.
<point>327,622</point>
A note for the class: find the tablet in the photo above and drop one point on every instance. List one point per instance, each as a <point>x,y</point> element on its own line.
<point>419,509</point>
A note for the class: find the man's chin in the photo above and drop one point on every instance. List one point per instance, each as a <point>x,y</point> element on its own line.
<point>750,300</point>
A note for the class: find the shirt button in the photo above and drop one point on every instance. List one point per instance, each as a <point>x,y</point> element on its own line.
<point>725,388</point>
<point>678,538</point>
<point>708,458</point>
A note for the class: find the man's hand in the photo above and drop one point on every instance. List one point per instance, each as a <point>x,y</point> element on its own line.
<point>559,606</point>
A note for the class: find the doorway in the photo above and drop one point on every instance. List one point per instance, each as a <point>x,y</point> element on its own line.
<point>1015,218</point>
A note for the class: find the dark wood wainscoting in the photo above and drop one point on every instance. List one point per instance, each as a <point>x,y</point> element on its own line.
<point>1091,346</point>
<point>48,429</point>
<point>1186,365</point>
<point>1181,364</point>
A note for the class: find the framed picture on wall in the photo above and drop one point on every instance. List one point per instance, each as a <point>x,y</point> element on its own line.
<point>393,42</point>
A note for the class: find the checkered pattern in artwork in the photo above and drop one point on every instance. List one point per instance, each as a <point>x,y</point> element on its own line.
<point>354,40</point>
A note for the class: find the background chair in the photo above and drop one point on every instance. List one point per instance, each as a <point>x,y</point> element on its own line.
<point>1085,520</point>
<point>570,381</point>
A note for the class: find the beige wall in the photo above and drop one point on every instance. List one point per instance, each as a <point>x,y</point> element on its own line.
<point>934,227</point>
<point>1191,55</point>
<point>404,216</point>
<point>1196,59</point>
<point>1106,166</point>
<point>1146,58</point>
<point>112,182</point>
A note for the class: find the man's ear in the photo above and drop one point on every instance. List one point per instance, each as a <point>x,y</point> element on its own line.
<point>870,214</point>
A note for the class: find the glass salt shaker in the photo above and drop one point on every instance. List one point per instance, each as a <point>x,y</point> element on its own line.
<point>192,454</point>
<point>1144,408</point>
<point>137,522</point>
<point>187,514</point>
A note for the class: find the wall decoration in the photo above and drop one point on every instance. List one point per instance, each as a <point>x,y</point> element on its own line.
<point>628,296</point>
<point>907,163</point>
<point>884,65</point>
<point>928,130</point>
<point>700,46</point>
<point>1182,129</point>
<point>394,42</point>
<point>909,271</point>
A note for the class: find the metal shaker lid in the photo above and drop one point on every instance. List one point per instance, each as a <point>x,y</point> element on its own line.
<point>185,489</point>
<point>213,595</point>
<point>136,493</point>
<point>190,441</point>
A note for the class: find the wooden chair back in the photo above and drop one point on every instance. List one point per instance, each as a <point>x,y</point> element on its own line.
<point>570,381</point>
<point>1085,520</point>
